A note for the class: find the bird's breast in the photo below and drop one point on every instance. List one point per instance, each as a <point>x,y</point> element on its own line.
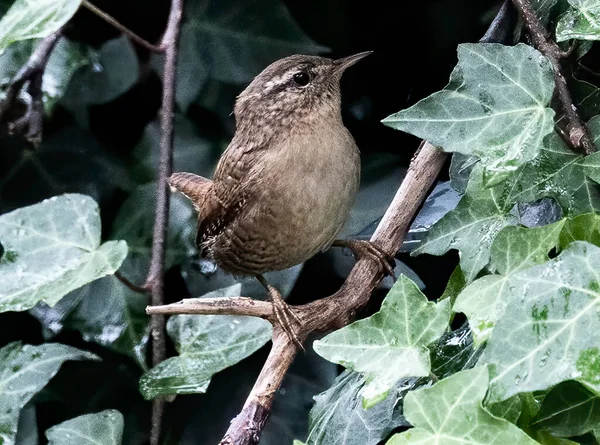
<point>302,191</point>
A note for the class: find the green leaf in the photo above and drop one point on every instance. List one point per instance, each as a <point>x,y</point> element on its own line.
<point>456,284</point>
<point>192,152</point>
<point>234,41</point>
<point>544,339</point>
<point>496,107</point>
<point>586,97</point>
<point>104,428</point>
<point>56,246</point>
<point>591,163</point>
<point>544,8</point>
<point>509,409</point>
<point>581,228</point>
<point>557,173</point>
<point>568,410</point>
<point>390,344</point>
<point>134,224</point>
<point>108,313</point>
<point>479,215</point>
<point>69,160</point>
<point>338,417</point>
<point>517,248</point>
<point>113,69</point>
<point>105,312</point>
<point>451,412</point>
<point>25,370</point>
<point>66,58</point>
<point>514,249</point>
<point>206,345</point>
<point>581,21</point>
<point>27,430</point>
<point>29,20</point>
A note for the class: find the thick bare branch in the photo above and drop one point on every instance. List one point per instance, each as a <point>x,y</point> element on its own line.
<point>578,135</point>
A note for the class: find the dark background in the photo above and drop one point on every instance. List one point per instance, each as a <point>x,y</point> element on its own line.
<point>414,46</point>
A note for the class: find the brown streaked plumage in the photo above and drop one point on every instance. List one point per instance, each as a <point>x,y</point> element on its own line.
<point>285,184</point>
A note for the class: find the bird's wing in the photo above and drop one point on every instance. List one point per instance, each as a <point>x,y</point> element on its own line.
<point>220,200</point>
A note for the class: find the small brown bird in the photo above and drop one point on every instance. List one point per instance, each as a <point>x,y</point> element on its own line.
<point>283,188</point>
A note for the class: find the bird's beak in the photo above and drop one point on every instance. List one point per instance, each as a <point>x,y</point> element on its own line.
<point>341,64</point>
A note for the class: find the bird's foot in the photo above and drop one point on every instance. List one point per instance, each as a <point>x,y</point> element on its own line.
<point>283,312</point>
<point>284,315</point>
<point>368,250</point>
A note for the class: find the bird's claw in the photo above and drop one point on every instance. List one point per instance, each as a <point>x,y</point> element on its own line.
<point>284,313</point>
<point>367,249</point>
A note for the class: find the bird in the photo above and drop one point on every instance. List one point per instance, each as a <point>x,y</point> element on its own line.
<point>285,184</point>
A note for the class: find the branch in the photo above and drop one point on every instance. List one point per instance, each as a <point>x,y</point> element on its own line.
<point>578,135</point>
<point>155,280</point>
<point>217,306</point>
<point>337,310</point>
<point>122,28</point>
<point>32,72</point>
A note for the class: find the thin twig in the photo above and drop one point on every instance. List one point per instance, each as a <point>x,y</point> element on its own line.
<point>118,25</point>
<point>328,313</point>
<point>31,122</point>
<point>134,287</point>
<point>155,280</point>
<point>578,135</point>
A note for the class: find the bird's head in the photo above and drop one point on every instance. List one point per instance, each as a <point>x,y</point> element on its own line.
<point>293,87</point>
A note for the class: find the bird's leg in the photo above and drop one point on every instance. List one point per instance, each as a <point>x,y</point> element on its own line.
<point>366,249</point>
<point>283,312</point>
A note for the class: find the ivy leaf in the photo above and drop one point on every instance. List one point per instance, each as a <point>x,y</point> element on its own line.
<point>108,313</point>
<point>70,160</point>
<point>568,410</point>
<point>206,345</point>
<point>517,248</point>
<point>233,41</point>
<point>451,411</point>
<point>105,312</point>
<point>390,344</point>
<point>192,153</point>
<point>29,20</point>
<point>581,228</point>
<point>591,163</point>
<point>66,58</point>
<point>561,174</point>
<point>104,428</point>
<point>27,433</point>
<point>495,107</point>
<point>56,249</point>
<point>25,370</point>
<point>581,21</point>
<point>113,69</point>
<point>339,419</point>
<point>545,339</point>
<point>479,215</point>
<point>134,224</point>
<point>587,98</point>
<point>514,249</point>
<point>544,8</point>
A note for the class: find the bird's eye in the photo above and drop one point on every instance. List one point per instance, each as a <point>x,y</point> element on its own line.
<point>301,78</point>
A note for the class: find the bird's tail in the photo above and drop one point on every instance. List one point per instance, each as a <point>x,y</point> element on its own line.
<point>194,187</point>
